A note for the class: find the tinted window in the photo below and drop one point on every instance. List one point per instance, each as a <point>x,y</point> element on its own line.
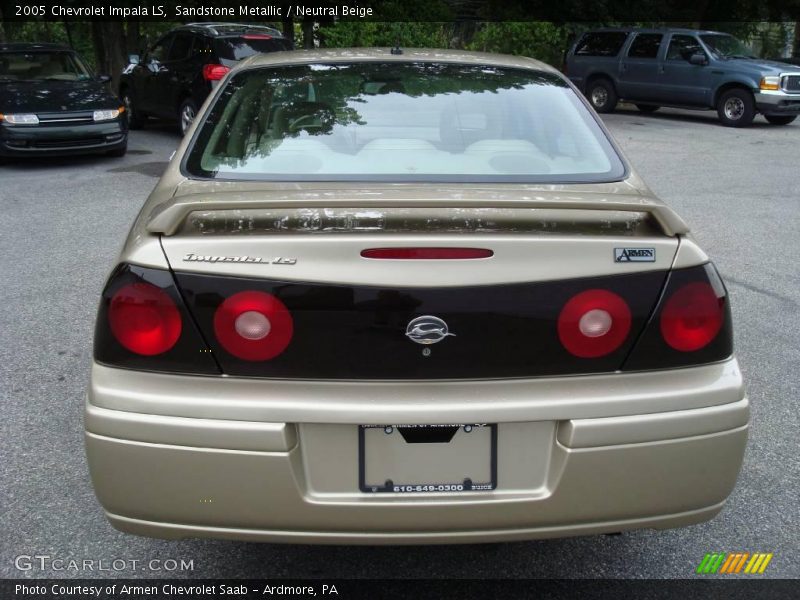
<point>238,48</point>
<point>606,43</point>
<point>645,45</point>
<point>727,46</point>
<point>401,122</point>
<point>181,46</point>
<point>159,51</point>
<point>202,48</point>
<point>681,47</point>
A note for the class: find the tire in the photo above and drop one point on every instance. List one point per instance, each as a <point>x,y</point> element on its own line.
<point>647,108</point>
<point>780,119</point>
<point>136,119</point>
<point>186,115</point>
<point>736,108</point>
<point>118,152</point>
<point>601,95</point>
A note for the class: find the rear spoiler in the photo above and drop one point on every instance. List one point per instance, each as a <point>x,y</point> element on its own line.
<point>167,218</point>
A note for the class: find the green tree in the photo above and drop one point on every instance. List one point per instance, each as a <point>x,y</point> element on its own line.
<point>541,40</point>
<point>346,34</point>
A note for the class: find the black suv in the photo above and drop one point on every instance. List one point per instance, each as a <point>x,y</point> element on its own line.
<point>177,73</point>
<point>685,68</point>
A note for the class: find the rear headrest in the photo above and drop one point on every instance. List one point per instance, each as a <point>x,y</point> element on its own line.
<point>449,131</point>
<point>392,86</point>
<point>459,129</point>
<point>313,117</point>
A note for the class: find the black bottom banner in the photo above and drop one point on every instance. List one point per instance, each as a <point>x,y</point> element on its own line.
<point>542,589</point>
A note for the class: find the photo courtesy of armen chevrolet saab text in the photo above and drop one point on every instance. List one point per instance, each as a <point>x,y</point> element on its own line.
<point>404,296</point>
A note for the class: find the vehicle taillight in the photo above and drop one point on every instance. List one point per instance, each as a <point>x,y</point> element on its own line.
<point>256,36</point>
<point>142,323</point>
<point>144,319</point>
<point>594,323</point>
<point>691,324</point>
<point>692,317</point>
<point>426,253</point>
<point>253,325</point>
<point>214,72</point>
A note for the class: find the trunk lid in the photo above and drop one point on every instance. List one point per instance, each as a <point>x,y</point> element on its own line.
<point>352,316</point>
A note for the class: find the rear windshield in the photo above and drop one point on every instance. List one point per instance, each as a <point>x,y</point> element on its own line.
<point>240,47</point>
<point>41,66</point>
<point>401,122</point>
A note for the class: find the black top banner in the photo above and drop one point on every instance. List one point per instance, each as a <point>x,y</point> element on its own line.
<point>696,12</point>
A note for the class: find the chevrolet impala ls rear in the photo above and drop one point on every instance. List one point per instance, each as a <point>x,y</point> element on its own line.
<point>409,298</point>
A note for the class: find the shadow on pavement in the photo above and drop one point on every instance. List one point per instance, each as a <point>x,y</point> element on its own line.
<point>699,117</point>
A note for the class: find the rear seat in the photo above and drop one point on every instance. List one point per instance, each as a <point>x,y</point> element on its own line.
<point>310,154</point>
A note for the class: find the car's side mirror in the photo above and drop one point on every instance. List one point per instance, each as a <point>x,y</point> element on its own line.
<point>104,78</point>
<point>699,59</point>
<point>133,59</point>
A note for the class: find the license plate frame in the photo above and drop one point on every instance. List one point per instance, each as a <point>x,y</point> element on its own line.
<point>458,487</point>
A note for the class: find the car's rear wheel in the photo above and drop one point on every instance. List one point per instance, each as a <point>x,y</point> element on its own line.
<point>136,118</point>
<point>736,108</point>
<point>647,108</point>
<point>601,95</point>
<point>186,115</point>
<point>780,119</point>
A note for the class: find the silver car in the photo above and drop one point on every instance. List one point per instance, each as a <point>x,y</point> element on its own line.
<point>417,297</point>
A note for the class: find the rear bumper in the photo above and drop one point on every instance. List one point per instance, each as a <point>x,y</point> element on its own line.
<point>51,140</point>
<point>167,464</point>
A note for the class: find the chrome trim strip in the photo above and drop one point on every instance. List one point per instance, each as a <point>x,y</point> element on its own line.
<point>84,119</point>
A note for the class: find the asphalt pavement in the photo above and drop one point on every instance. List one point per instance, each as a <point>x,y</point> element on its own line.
<point>62,224</point>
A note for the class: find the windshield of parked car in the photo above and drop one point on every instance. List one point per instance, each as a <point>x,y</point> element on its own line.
<point>39,66</point>
<point>727,46</point>
<point>401,122</point>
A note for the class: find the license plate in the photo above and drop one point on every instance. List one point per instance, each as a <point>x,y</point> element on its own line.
<point>427,458</point>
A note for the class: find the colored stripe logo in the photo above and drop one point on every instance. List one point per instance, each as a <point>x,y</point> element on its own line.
<point>731,563</point>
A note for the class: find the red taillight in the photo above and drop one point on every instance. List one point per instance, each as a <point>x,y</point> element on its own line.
<point>256,36</point>
<point>214,72</point>
<point>692,317</point>
<point>144,319</point>
<point>253,326</point>
<point>594,323</point>
<point>426,253</point>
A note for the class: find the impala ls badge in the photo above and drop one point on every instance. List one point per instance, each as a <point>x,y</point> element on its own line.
<point>280,260</point>
<point>427,330</point>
